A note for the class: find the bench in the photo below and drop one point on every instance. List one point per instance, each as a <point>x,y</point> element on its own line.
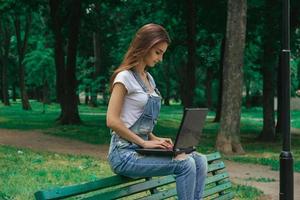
<point>217,186</point>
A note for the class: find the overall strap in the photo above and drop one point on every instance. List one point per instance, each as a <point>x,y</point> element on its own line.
<point>139,80</point>
<point>142,84</point>
<point>152,82</point>
<point>150,78</point>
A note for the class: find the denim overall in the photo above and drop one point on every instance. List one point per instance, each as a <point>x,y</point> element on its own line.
<point>190,172</point>
<point>145,123</point>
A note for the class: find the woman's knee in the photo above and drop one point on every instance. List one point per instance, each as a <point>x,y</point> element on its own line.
<point>186,165</point>
<point>201,162</point>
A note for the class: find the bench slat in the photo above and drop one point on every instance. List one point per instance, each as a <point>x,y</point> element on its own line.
<point>170,193</point>
<point>215,178</point>
<point>226,196</point>
<point>133,189</point>
<point>217,189</point>
<point>216,166</point>
<point>161,195</point>
<point>73,190</point>
<point>213,156</point>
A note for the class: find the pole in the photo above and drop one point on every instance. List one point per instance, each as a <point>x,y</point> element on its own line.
<point>286,157</point>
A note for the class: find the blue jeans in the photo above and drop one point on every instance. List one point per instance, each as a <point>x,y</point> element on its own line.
<point>190,172</point>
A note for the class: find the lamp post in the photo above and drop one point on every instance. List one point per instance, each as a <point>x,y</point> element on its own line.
<point>286,157</point>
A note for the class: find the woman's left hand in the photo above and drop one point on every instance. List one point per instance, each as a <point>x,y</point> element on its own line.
<point>167,140</point>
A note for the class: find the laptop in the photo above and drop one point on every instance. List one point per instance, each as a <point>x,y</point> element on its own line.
<point>188,135</point>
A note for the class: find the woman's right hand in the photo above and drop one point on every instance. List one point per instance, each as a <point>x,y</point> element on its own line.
<point>159,144</point>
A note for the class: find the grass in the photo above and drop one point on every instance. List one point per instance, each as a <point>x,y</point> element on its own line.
<point>93,129</point>
<point>23,172</point>
<point>261,179</point>
<point>35,170</point>
<point>246,192</point>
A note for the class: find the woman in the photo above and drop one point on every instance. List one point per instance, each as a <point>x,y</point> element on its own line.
<point>132,112</point>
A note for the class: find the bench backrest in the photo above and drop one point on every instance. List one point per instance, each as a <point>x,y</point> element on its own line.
<point>217,186</point>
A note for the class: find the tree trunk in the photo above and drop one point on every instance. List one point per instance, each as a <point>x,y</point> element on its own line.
<point>247,98</point>
<point>189,73</point>
<point>268,132</point>
<point>168,84</point>
<point>6,45</point>
<point>69,103</point>
<point>1,98</point>
<point>97,64</point>
<point>208,83</point>
<point>46,93</point>
<point>220,92</point>
<point>21,46</point>
<point>14,93</point>
<point>278,131</point>
<point>66,73</point>
<point>87,97</point>
<point>59,58</point>
<point>295,23</point>
<point>298,74</point>
<point>268,68</point>
<point>228,139</point>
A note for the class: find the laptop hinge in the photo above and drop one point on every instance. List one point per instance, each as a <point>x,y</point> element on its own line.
<point>185,150</point>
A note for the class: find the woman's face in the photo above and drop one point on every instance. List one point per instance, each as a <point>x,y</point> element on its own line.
<point>155,54</point>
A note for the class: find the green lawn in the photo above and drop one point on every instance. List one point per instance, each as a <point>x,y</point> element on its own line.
<point>26,171</point>
<point>94,130</point>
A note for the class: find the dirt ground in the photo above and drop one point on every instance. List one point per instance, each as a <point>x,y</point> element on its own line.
<point>246,174</point>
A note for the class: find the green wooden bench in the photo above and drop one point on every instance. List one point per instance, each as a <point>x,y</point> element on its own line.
<point>218,186</point>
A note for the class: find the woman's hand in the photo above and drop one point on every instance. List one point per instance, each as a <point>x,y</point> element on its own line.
<point>161,144</point>
<point>169,140</point>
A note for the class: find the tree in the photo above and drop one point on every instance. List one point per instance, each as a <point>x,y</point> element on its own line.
<point>94,87</point>
<point>40,67</point>
<point>21,47</point>
<point>220,90</point>
<point>5,46</point>
<point>228,140</point>
<point>66,71</point>
<point>189,70</point>
<point>269,63</point>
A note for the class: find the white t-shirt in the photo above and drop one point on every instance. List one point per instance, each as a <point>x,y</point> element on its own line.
<point>136,98</point>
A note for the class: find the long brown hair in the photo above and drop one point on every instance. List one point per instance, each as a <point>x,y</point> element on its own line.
<point>145,38</point>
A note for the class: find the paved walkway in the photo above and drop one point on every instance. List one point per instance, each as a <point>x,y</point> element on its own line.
<point>246,174</point>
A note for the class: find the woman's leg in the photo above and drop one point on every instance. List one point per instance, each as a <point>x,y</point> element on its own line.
<point>201,171</point>
<point>135,165</point>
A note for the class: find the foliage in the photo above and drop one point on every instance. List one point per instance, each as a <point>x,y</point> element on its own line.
<point>117,21</point>
<point>40,66</point>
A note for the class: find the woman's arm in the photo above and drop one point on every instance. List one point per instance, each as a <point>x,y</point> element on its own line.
<point>114,121</point>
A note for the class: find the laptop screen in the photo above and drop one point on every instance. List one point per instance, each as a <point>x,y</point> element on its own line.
<point>190,128</point>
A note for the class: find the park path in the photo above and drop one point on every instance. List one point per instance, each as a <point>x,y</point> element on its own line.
<point>245,174</point>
